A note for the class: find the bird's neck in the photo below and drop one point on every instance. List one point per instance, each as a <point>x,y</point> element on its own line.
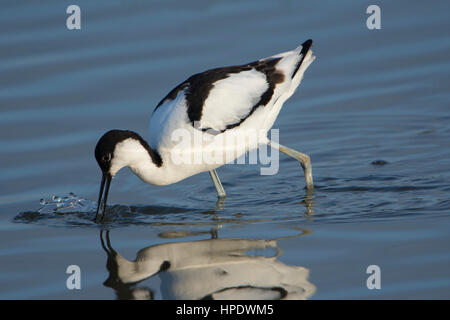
<point>139,157</point>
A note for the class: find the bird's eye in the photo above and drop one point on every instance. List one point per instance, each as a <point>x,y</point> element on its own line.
<point>106,157</point>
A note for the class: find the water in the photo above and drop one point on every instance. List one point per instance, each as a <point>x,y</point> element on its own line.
<point>372,112</point>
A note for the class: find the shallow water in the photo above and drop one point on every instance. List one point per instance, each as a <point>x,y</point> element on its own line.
<point>372,112</point>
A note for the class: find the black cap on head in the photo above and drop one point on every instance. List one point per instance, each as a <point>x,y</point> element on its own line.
<point>104,150</point>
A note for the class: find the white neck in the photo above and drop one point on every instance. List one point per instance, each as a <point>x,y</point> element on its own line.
<point>131,153</point>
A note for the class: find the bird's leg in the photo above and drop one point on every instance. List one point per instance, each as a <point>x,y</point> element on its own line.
<point>304,160</point>
<point>219,188</point>
<point>220,204</point>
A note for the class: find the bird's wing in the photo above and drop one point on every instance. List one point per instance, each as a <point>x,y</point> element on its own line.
<point>222,98</point>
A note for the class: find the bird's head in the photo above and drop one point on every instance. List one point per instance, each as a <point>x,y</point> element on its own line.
<point>117,149</point>
<point>107,159</point>
<point>110,159</point>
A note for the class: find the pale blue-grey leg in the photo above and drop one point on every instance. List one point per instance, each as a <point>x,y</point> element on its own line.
<point>304,160</point>
<point>219,188</point>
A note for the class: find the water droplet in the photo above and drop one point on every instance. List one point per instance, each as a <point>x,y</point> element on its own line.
<point>66,204</point>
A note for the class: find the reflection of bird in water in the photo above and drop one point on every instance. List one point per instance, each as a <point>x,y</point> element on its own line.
<point>208,269</point>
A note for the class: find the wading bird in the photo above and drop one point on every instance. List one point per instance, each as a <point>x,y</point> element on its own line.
<point>216,104</point>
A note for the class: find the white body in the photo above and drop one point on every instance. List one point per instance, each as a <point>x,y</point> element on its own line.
<point>230,100</point>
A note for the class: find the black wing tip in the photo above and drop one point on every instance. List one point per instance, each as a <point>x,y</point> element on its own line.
<point>306,46</point>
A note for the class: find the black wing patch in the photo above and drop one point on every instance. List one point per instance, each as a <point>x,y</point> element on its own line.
<point>199,86</point>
